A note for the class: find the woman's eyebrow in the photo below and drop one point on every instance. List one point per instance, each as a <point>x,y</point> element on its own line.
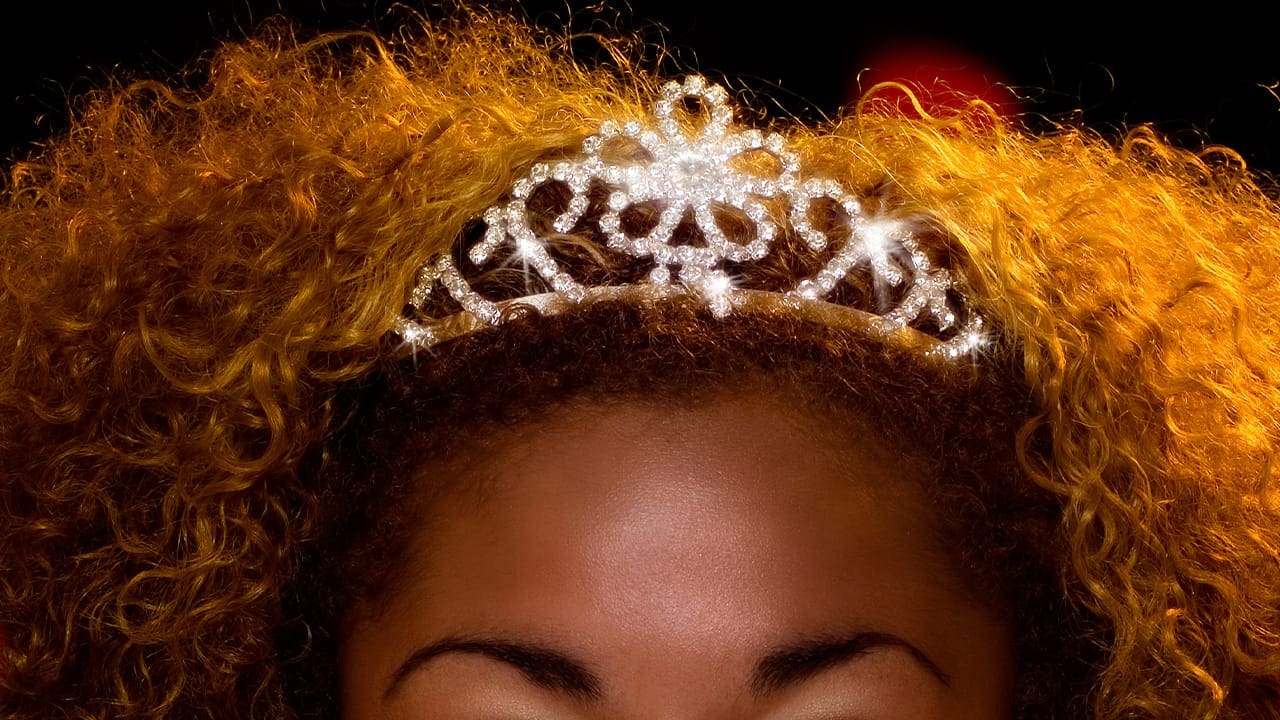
<point>557,671</point>
<point>549,668</point>
<point>796,663</point>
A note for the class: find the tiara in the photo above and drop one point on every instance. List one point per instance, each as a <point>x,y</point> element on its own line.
<point>695,204</point>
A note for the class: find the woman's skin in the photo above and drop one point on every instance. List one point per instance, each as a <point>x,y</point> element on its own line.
<point>730,561</point>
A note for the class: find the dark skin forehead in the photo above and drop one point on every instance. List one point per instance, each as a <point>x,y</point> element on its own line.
<point>737,557</point>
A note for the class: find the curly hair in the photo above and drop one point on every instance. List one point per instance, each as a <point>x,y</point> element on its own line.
<point>192,284</point>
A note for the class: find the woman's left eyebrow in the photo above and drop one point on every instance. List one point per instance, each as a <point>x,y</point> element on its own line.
<point>793,664</point>
<point>549,668</point>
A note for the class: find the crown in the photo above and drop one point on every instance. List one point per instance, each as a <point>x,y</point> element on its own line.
<point>696,202</point>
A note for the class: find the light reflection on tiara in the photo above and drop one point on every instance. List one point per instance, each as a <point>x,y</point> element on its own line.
<point>697,176</point>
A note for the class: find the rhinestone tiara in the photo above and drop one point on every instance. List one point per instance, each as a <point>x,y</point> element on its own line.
<point>698,175</point>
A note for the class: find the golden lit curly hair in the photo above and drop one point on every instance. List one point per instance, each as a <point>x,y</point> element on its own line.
<point>192,284</point>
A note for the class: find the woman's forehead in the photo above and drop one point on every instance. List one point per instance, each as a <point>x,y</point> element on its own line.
<point>698,538</point>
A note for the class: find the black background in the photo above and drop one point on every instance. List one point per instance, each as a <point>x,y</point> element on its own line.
<point>1201,77</point>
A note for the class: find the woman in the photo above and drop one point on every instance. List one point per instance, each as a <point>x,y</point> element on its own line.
<point>412,381</point>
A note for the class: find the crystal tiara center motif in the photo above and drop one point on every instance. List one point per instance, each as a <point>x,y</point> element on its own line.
<point>693,176</point>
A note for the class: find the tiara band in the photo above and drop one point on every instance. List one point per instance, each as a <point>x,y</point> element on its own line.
<point>696,178</point>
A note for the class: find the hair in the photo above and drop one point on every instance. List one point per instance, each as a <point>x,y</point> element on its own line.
<point>198,290</point>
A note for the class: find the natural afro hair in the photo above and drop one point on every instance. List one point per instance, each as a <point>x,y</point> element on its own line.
<point>189,282</point>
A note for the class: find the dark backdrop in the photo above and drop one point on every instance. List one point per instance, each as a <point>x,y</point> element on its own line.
<point>1206,76</point>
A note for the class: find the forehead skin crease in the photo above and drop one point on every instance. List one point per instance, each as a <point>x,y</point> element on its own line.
<point>667,552</point>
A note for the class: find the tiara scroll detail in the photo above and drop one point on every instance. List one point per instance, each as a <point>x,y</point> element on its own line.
<point>697,175</point>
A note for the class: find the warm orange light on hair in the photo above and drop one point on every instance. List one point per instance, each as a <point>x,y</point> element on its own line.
<point>187,281</point>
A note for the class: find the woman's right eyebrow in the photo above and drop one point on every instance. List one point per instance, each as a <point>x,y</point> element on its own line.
<point>546,667</point>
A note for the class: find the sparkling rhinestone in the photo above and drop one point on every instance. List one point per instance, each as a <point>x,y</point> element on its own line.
<point>565,223</point>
